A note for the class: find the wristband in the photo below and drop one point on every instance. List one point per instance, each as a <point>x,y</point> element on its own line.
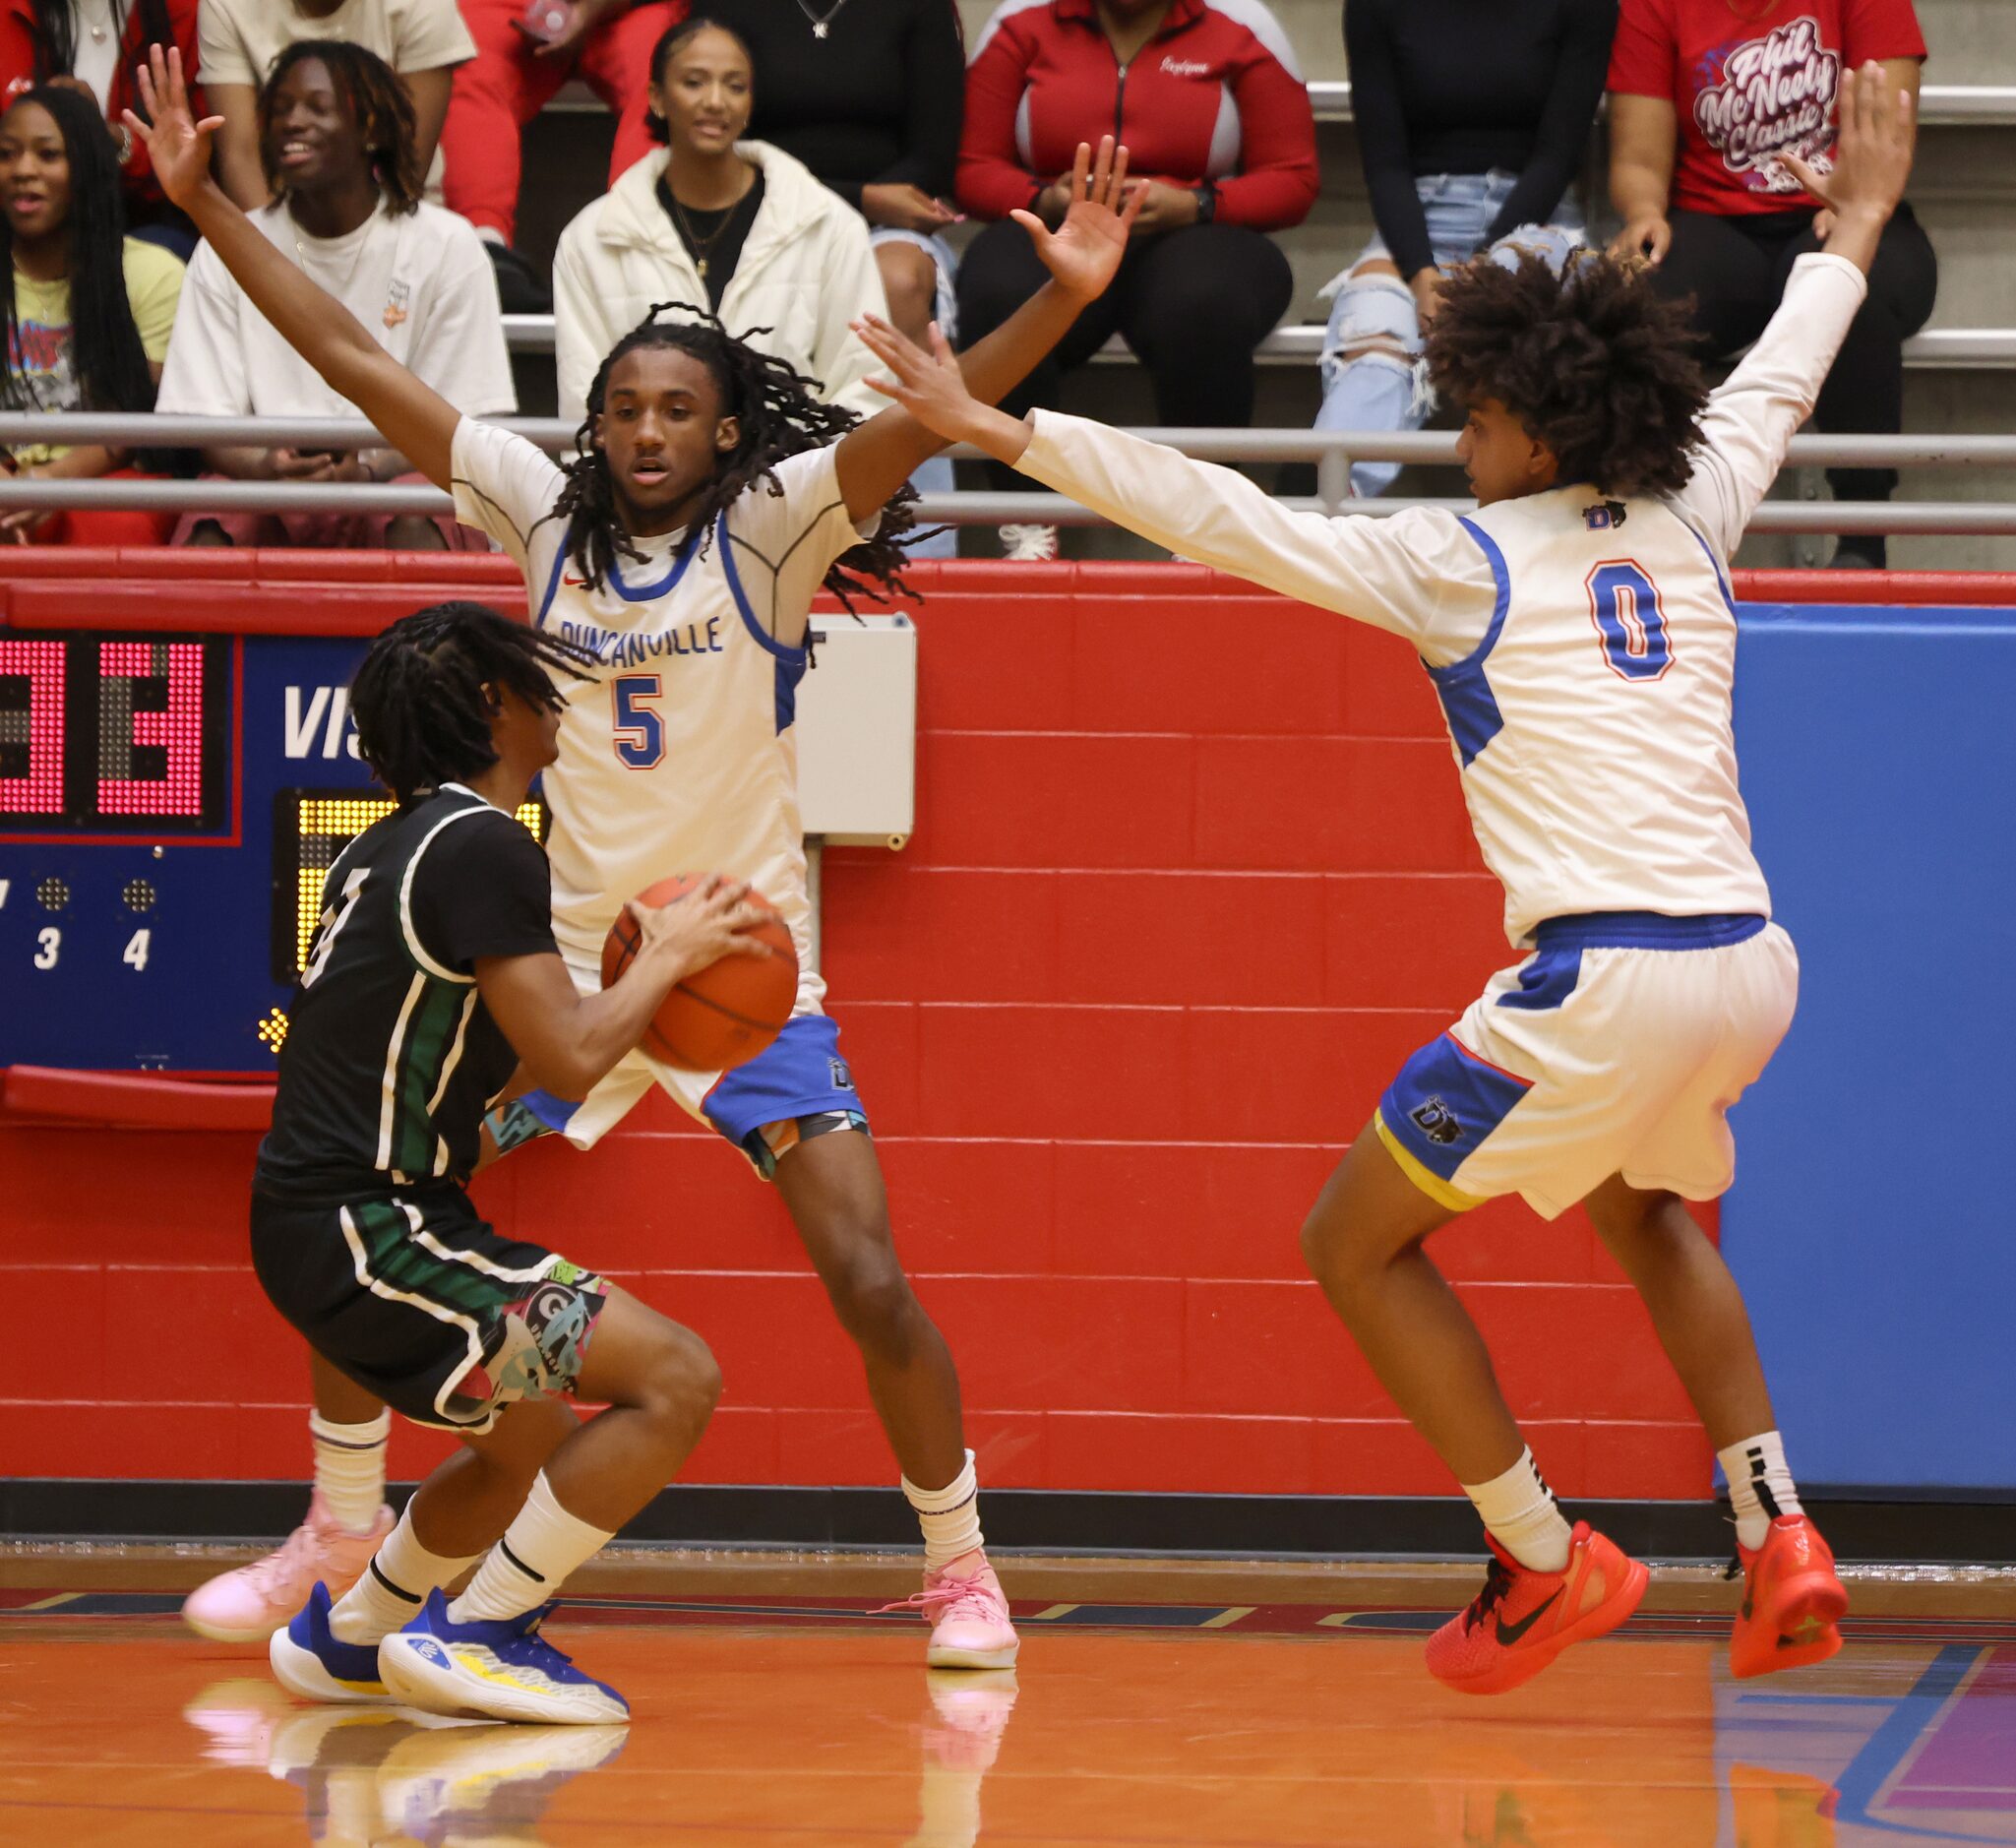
<point>1206,197</point>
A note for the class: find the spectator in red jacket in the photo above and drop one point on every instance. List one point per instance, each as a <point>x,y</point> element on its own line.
<point>1705,94</point>
<point>523,57</point>
<point>95,48</point>
<point>1206,95</point>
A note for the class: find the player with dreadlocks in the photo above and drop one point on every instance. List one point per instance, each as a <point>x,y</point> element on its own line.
<point>433,973</point>
<point>714,496</point>
<point>1580,632</point>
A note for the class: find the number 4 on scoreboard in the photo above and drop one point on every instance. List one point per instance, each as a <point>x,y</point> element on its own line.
<point>136,949</point>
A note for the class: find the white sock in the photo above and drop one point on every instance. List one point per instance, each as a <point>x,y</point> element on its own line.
<point>1520,1510</point>
<point>950,1517</point>
<point>540,1550</point>
<point>1761,1486</point>
<point>393,1587</point>
<point>349,1468</point>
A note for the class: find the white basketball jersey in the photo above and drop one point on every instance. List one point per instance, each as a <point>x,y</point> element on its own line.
<point>679,754</point>
<point>1584,648</point>
<point>1592,718</point>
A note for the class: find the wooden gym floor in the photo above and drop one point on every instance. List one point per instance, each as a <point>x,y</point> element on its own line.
<point>1156,1705</point>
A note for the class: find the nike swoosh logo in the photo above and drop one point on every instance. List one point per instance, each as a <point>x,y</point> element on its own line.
<point>1510,1634</point>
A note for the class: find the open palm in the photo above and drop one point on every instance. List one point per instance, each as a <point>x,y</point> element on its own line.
<point>177,144</point>
<point>1084,251</point>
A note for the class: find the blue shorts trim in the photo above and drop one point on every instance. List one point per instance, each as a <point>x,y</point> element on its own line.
<point>1446,1101</point>
<point>800,1074</point>
<point>1546,978</point>
<point>1646,930</point>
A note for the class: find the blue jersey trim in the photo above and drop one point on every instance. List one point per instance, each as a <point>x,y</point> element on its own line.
<point>1468,702</point>
<point>552,585</point>
<point>797,657</point>
<point>646,594</point>
<point>1714,564</point>
<point>1646,930</point>
<point>791,662</point>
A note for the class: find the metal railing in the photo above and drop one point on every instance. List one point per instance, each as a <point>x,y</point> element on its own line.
<point>1331,450</point>
<point>1301,344</point>
<point>1943,106</point>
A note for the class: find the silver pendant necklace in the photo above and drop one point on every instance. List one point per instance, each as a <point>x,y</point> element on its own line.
<point>821,20</point>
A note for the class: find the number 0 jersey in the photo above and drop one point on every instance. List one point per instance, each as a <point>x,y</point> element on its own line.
<point>1584,647</point>
<point>678,756</point>
<point>391,1057</point>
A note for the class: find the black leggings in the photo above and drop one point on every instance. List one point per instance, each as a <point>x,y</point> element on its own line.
<point>1735,270</point>
<point>1192,303</point>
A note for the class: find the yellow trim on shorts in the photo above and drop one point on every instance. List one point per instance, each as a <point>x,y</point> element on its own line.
<point>1425,1177</point>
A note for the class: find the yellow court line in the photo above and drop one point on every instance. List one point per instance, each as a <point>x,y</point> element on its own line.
<point>1231,1615</point>
<point>1054,1612</point>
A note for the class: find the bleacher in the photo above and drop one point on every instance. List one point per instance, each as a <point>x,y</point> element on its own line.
<point>1962,377</point>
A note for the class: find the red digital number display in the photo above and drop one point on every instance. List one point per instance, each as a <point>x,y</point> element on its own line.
<point>31,727</point>
<point>175,730</point>
<point>103,734</point>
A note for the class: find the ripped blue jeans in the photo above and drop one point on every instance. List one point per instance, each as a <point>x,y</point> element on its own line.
<point>1369,386</point>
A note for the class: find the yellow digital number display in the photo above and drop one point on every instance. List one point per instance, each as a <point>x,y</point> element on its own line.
<point>311,827</point>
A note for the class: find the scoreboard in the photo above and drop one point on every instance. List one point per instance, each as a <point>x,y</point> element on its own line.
<point>170,800</point>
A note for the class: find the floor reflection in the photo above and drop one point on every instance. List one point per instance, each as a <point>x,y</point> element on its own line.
<point>829,1732</point>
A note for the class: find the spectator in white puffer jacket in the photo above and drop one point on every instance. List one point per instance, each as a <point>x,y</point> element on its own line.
<point>736,226</point>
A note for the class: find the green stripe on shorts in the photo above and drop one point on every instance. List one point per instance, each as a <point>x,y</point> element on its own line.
<point>395,1258</point>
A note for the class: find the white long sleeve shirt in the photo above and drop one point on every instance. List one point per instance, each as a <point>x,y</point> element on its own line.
<point>1584,647</point>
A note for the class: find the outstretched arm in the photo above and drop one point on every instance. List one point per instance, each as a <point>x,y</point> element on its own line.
<point>874,459</point>
<point>1419,575</point>
<point>1754,416</point>
<point>413,419</point>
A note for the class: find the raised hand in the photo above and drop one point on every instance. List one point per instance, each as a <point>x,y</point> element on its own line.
<point>177,144</point>
<point>1084,251</point>
<point>929,386</point>
<point>1875,134</point>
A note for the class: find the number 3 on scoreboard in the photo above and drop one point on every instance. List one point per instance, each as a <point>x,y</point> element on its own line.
<point>639,733</point>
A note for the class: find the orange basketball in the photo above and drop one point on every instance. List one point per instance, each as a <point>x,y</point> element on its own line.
<point>721,1016</point>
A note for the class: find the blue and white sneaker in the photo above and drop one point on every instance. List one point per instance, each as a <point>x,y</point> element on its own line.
<point>496,1671</point>
<point>307,1661</point>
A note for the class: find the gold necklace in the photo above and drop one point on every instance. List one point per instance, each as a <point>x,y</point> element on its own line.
<point>702,247</point>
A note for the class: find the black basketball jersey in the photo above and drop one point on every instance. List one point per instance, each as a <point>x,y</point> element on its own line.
<point>391,1057</point>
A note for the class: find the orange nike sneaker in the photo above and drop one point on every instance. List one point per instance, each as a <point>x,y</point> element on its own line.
<point>1793,1601</point>
<point>1523,1618</point>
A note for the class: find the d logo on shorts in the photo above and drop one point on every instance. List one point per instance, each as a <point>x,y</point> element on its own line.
<point>1436,1121</point>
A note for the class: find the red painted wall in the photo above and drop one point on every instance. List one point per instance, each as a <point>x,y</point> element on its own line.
<point>1190,877</point>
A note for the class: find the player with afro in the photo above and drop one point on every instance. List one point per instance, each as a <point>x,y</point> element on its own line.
<point>1580,633</point>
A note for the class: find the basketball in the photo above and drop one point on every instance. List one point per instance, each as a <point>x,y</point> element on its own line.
<point>721,1016</point>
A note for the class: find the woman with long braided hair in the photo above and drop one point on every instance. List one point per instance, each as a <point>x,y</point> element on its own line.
<point>87,310</point>
<point>713,497</point>
<point>96,49</point>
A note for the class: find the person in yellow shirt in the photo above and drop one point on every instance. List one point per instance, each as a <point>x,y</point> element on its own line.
<point>89,309</point>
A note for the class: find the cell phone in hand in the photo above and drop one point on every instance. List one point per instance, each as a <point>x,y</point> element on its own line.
<point>546,19</point>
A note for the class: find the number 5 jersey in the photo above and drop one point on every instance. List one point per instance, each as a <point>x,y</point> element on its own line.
<point>679,754</point>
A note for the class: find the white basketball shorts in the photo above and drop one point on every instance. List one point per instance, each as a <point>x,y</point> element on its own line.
<point>1616,1047</point>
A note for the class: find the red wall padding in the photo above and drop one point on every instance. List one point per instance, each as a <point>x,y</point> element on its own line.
<point>1190,876</point>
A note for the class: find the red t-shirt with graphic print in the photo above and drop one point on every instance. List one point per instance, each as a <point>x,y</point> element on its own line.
<point>1751,82</point>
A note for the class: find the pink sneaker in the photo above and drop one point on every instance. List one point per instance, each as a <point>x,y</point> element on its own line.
<point>249,1603</point>
<point>968,1614</point>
